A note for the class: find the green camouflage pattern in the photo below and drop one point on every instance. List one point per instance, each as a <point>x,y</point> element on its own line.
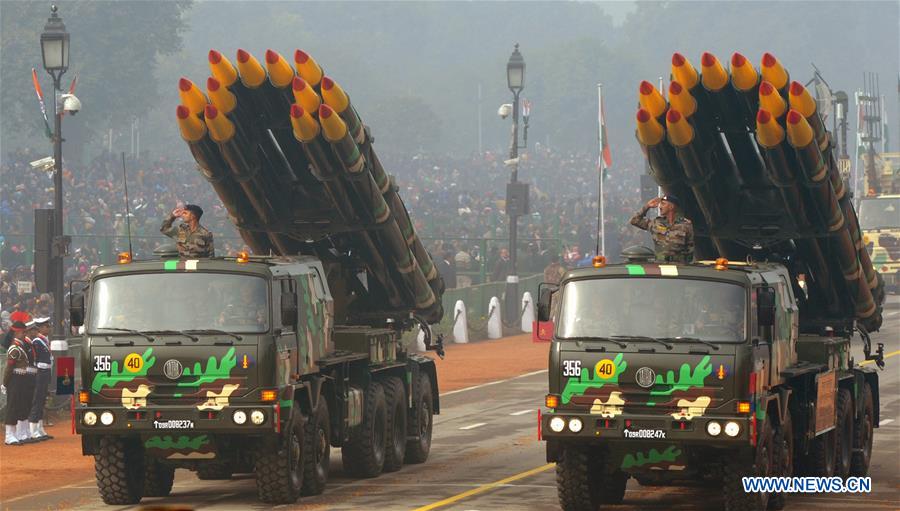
<point>316,317</point>
<point>182,447</point>
<point>588,380</point>
<point>653,459</point>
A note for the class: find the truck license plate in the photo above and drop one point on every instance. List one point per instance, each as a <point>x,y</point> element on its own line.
<point>653,434</point>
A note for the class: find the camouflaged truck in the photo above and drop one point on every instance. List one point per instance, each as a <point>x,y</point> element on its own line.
<point>232,365</point>
<point>668,373</point>
<point>879,219</point>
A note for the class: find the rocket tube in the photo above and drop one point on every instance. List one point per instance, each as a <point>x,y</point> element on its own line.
<point>773,72</point>
<point>771,138</point>
<point>222,69</point>
<point>771,101</point>
<point>215,170</point>
<point>801,137</point>
<point>335,131</point>
<point>681,100</point>
<point>681,136</point>
<point>305,96</point>
<point>280,72</point>
<point>335,97</point>
<point>684,72</point>
<point>802,101</point>
<point>651,100</point>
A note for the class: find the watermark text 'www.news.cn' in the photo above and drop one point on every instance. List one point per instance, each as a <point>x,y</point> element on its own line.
<point>807,484</point>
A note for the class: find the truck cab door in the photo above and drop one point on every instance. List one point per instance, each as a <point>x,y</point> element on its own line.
<point>288,359</point>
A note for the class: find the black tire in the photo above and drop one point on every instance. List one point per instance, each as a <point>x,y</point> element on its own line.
<point>844,434</point>
<point>119,468</point>
<point>783,447</point>
<point>279,473</point>
<point>421,416</point>
<point>318,450</point>
<point>736,499</point>
<point>395,450</point>
<point>820,460</point>
<point>862,434</point>
<point>583,483</point>
<point>158,478</point>
<point>215,471</point>
<point>363,455</point>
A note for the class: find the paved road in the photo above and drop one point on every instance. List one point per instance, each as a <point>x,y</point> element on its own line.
<point>486,456</point>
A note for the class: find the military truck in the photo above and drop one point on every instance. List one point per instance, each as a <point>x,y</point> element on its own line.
<point>879,218</point>
<point>262,363</point>
<point>738,364</point>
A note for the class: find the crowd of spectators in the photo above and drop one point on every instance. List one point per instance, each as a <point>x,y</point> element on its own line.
<point>457,204</point>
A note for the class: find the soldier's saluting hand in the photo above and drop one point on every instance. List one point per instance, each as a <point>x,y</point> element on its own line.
<point>191,238</point>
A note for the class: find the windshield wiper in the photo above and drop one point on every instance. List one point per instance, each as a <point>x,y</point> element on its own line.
<point>128,331</point>
<point>214,331</point>
<point>692,339</point>
<point>173,332</point>
<point>607,339</point>
<point>642,338</point>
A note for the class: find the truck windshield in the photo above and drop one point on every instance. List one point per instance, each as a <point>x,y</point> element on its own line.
<point>880,213</point>
<point>180,301</point>
<point>661,308</point>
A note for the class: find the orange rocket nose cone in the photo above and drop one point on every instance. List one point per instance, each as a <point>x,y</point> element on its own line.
<point>191,127</point>
<point>334,95</point>
<point>681,133</point>
<point>222,69</point>
<point>684,72</point>
<point>651,99</point>
<point>743,76</point>
<point>242,56</point>
<point>649,131</point>
<point>307,68</point>
<point>252,73</point>
<point>280,72</point>
<point>712,74</point>
<point>304,126</point>
<point>801,100</point>
<point>681,99</point>
<point>333,127</point>
<point>191,96</point>
<point>305,96</point>
<point>773,72</point>
<point>799,132</point>
<point>219,96</point>
<point>768,132</point>
<point>771,100</point>
<point>220,128</point>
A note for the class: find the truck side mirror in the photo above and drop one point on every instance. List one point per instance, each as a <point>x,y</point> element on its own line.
<point>76,309</point>
<point>545,294</point>
<point>765,306</point>
<point>288,309</point>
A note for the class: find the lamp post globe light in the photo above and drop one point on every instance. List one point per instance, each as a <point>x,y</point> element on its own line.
<point>55,54</point>
<point>516,193</point>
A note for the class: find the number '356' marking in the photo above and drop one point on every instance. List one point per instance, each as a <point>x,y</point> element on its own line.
<point>101,363</point>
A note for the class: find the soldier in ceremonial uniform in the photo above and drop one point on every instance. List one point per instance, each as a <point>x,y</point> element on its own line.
<point>191,238</point>
<point>672,233</point>
<point>44,362</point>
<point>18,381</point>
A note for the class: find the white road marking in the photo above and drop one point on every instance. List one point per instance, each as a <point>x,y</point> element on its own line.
<point>892,313</point>
<point>473,426</point>
<point>885,421</point>
<point>493,383</point>
<point>523,412</point>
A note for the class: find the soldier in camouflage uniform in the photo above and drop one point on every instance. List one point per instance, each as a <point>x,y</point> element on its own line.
<point>191,238</point>
<point>672,233</point>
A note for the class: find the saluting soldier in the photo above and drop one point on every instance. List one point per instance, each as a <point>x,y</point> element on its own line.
<point>191,238</point>
<point>672,233</point>
<point>18,381</point>
<point>40,343</point>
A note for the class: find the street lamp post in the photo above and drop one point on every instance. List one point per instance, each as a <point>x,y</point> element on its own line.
<point>515,202</point>
<point>55,54</point>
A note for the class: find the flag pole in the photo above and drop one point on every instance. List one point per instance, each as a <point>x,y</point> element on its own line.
<point>601,217</point>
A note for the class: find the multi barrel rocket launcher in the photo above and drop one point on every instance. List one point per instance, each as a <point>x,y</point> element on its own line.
<point>751,159</point>
<point>289,156</point>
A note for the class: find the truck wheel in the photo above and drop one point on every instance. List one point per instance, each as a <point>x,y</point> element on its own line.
<point>363,455</point>
<point>582,482</point>
<point>783,447</point>
<point>318,449</point>
<point>279,473</point>
<point>736,469</point>
<point>421,417</point>
<point>158,478</point>
<point>862,435</point>
<point>844,434</point>
<point>395,451</point>
<point>215,471</point>
<point>119,468</point>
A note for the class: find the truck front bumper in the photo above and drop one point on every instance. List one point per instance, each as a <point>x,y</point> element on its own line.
<point>176,419</point>
<point>634,428</point>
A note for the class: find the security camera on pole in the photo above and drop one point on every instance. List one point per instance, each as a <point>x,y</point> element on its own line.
<point>516,192</point>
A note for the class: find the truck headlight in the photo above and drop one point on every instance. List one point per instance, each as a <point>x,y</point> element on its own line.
<point>575,425</point>
<point>239,417</point>
<point>732,428</point>
<point>90,418</point>
<point>257,417</point>
<point>713,428</point>
<point>106,418</point>
<point>557,424</point>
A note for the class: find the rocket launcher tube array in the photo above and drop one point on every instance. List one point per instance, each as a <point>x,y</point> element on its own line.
<point>788,149</point>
